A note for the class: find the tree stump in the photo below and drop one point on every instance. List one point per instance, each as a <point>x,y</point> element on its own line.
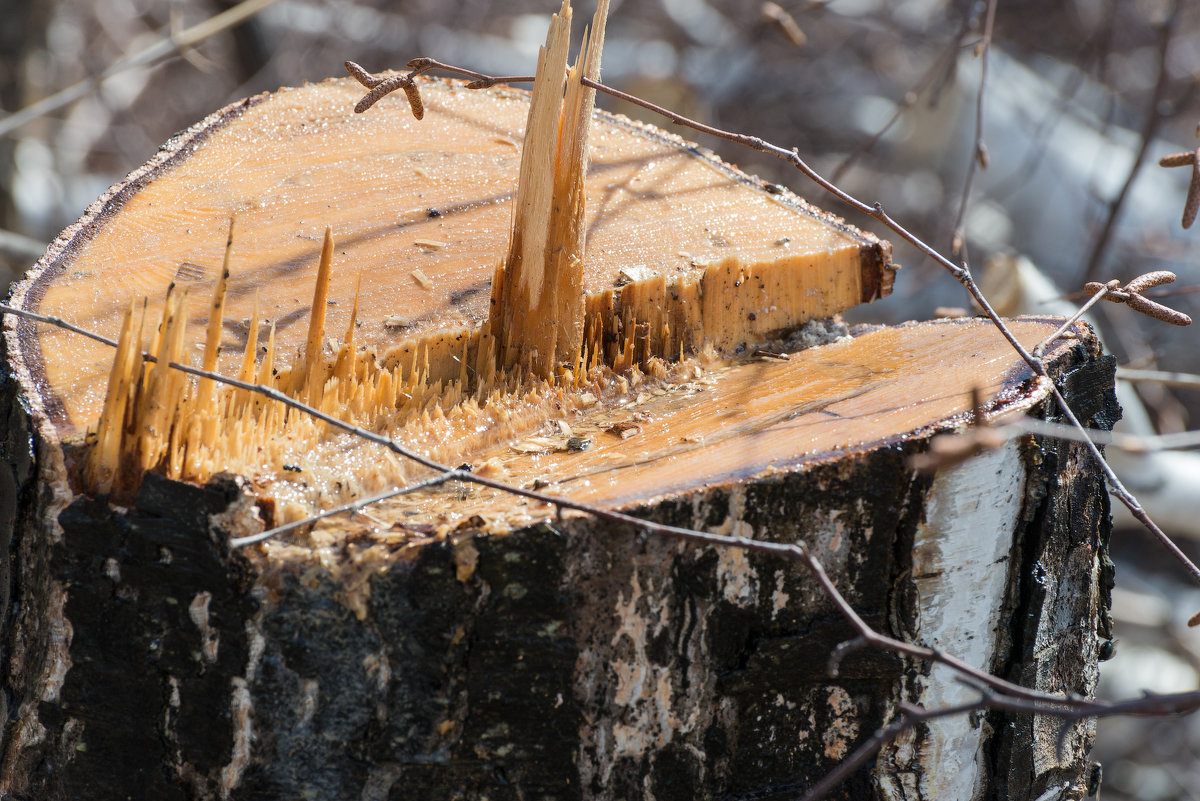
<point>464,643</point>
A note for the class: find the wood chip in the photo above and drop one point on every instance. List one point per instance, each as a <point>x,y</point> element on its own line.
<point>624,430</point>
<point>537,445</point>
<point>634,274</point>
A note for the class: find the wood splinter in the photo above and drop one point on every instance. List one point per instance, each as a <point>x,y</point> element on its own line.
<point>537,313</point>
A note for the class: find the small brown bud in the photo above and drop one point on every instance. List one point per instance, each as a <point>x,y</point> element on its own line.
<point>1177,159</point>
<point>1156,310</point>
<point>414,99</point>
<point>1150,279</point>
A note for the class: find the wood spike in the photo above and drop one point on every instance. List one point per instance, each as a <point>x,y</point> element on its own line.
<point>266,370</point>
<point>216,316</point>
<point>145,418</point>
<point>174,387</point>
<point>104,458</point>
<point>525,287</point>
<point>246,373</point>
<point>349,338</point>
<point>565,244</point>
<point>309,374</point>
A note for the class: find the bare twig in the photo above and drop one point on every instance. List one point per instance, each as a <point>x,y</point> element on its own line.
<point>939,66</point>
<point>1040,348</point>
<point>346,508</point>
<point>1170,379</point>
<point>1154,120</point>
<point>172,44</point>
<point>961,272</point>
<point>1189,159</point>
<point>774,13</point>
<point>1134,443</point>
<point>979,157</point>
<point>1132,296</point>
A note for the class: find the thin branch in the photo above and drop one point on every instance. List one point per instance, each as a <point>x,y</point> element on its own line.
<point>960,271</point>
<point>346,508</point>
<point>19,247</point>
<point>979,155</point>
<point>172,44</point>
<point>939,66</point>
<point>1154,120</point>
<point>1170,379</point>
<point>1183,440</point>
<point>1040,348</point>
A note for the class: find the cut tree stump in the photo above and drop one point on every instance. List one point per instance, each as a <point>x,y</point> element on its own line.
<point>462,642</point>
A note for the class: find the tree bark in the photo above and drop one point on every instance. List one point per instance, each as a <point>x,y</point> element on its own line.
<point>568,659</point>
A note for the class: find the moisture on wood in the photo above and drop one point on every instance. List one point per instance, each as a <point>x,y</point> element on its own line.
<point>610,330</point>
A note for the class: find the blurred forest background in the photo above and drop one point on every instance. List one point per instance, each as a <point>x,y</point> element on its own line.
<point>1081,99</point>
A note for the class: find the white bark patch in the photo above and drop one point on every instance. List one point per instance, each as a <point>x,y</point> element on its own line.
<point>734,524</point>
<point>210,639</point>
<point>643,691</point>
<point>844,728</point>
<point>737,578</point>
<point>779,598</point>
<point>960,571</point>
<point>58,644</point>
<point>258,644</point>
<point>241,708</point>
<point>310,696</point>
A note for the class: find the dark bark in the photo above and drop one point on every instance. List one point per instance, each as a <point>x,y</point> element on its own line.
<point>570,659</point>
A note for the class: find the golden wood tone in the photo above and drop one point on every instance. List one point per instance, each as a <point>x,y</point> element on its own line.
<point>422,210</point>
<point>536,319</point>
<point>672,255</point>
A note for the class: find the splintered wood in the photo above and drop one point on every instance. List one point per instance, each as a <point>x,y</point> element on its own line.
<point>634,274</point>
<point>536,319</point>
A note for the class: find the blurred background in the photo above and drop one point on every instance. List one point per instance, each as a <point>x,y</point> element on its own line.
<point>1081,99</point>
